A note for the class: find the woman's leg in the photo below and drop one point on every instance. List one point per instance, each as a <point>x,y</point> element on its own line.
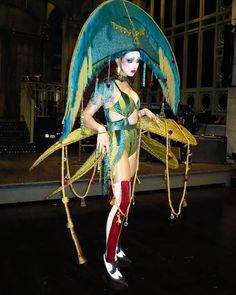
<point>133,164</point>
<point>121,191</point>
<point>133,167</point>
<point>123,259</point>
<point>125,170</point>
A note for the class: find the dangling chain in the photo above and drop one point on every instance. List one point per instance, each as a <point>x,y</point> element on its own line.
<point>173,211</point>
<point>67,176</point>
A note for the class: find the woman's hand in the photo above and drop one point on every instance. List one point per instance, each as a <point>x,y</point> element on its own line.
<point>149,114</point>
<point>103,141</point>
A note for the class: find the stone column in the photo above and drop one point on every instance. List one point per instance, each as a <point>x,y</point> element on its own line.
<point>231,121</point>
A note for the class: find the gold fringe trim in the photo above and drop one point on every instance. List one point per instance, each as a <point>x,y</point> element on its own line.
<point>168,127</point>
<point>74,136</point>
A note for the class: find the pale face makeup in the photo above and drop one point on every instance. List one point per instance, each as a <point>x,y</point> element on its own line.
<point>130,63</point>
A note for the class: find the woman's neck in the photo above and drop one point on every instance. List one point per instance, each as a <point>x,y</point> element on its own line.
<point>123,78</point>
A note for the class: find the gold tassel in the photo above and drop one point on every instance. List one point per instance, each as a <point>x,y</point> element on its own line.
<point>118,218</point>
<point>83,203</point>
<point>185,204</point>
<point>82,259</point>
<point>112,201</point>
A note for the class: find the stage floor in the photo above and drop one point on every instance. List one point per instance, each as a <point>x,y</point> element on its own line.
<point>15,168</point>
<point>194,254</point>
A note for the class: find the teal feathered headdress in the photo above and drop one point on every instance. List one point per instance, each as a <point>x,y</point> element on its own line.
<point>115,27</point>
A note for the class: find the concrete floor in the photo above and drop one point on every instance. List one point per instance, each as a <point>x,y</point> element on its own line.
<point>194,254</point>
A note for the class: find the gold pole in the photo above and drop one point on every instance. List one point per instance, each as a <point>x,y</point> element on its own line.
<point>65,201</point>
<point>70,225</point>
<point>152,8</point>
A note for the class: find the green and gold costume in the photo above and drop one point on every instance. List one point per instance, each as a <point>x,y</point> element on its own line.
<point>115,27</point>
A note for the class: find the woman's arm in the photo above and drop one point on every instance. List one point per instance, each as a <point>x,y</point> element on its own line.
<point>149,114</point>
<point>103,141</point>
<point>89,120</point>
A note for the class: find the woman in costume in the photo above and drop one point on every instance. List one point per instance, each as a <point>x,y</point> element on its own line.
<point>119,31</point>
<point>118,140</point>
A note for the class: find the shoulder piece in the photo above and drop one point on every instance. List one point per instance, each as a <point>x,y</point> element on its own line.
<point>103,92</point>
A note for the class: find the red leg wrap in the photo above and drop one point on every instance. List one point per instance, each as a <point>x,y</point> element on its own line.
<point>115,230</point>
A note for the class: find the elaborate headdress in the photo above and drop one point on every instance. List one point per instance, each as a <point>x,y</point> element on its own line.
<point>115,27</point>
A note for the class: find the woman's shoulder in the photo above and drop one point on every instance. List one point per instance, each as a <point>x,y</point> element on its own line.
<point>107,82</point>
<point>104,91</point>
<point>106,87</point>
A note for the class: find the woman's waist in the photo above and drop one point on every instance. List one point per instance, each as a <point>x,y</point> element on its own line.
<point>121,125</point>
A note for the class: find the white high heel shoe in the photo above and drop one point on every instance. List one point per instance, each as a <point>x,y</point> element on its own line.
<point>114,278</point>
<point>122,259</point>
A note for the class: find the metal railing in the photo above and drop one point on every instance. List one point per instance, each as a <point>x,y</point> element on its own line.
<point>39,99</point>
<point>47,98</point>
